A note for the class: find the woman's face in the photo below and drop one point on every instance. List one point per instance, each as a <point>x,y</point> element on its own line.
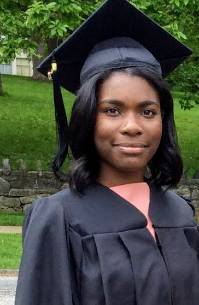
<point>128,126</point>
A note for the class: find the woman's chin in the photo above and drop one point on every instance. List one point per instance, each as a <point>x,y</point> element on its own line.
<point>130,167</point>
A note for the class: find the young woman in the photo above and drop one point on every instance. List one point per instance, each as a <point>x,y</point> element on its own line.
<point>116,236</point>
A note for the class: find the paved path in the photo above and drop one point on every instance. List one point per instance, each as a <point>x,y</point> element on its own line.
<point>7,289</point>
<point>10,229</point>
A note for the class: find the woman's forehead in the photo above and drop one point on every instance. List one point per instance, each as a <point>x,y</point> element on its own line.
<point>121,86</point>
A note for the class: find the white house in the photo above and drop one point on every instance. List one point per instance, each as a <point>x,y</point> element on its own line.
<point>22,65</point>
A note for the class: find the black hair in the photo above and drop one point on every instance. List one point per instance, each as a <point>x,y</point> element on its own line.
<point>166,165</point>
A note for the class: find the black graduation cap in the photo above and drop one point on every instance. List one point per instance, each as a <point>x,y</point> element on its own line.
<point>116,35</point>
<point>115,18</point>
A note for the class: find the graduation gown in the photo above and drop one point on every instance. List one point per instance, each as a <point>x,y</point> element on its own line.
<point>95,249</point>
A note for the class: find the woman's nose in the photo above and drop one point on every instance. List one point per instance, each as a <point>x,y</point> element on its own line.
<point>131,125</point>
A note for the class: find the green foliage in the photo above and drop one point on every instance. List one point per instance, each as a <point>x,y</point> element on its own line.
<point>180,18</point>
<point>14,35</point>
<point>25,24</point>
<point>170,13</point>
<point>187,75</point>
<point>53,19</point>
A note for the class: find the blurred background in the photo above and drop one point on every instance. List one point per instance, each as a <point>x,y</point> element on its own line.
<point>29,30</point>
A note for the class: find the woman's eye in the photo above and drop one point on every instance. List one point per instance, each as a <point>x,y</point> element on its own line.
<point>112,111</point>
<point>149,113</point>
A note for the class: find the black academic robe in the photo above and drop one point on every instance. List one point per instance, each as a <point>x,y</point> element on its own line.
<point>95,249</point>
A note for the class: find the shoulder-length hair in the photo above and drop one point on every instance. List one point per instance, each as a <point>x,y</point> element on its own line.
<point>166,165</point>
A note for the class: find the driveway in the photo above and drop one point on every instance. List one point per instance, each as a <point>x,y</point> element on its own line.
<point>7,289</point>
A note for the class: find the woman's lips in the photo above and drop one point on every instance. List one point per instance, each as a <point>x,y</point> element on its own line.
<point>131,148</point>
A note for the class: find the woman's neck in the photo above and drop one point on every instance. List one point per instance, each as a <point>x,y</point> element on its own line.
<point>110,178</point>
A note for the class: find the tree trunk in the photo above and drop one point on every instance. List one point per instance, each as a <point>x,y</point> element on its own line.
<point>50,45</point>
<point>36,61</point>
<point>1,85</point>
<point>37,75</point>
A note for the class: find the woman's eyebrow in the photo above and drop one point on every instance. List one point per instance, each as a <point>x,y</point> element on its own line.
<point>149,103</point>
<point>112,102</point>
<point>121,103</point>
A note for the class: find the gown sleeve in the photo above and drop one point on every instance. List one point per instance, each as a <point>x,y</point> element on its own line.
<point>44,275</point>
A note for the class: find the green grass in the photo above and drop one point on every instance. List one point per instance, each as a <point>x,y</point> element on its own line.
<point>11,219</point>
<point>187,124</point>
<point>10,251</point>
<point>27,121</point>
<point>28,128</point>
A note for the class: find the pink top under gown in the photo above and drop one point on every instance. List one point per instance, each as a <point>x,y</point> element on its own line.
<point>137,194</point>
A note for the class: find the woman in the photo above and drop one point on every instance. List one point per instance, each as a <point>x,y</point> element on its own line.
<point>114,236</point>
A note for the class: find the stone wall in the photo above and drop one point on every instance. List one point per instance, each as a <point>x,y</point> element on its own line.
<point>19,188</point>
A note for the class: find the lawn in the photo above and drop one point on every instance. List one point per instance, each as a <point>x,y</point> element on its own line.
<point>28,128</point>
<point>11,219</point>
<point>10,251</point>
<point>187,123</point>
<point>27,121</point>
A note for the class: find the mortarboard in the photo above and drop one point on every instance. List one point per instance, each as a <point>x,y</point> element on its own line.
<point>116,35</point>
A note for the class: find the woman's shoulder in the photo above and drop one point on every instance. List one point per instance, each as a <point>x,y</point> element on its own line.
<point>179,201</point>
<point>171,210</point>
<point>53,202</point>
<point>48,211</point>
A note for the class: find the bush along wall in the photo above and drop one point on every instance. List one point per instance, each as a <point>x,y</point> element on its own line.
<point>19,188</point>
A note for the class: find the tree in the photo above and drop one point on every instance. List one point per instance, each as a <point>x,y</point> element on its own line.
<point>24,24</point>
<point>180,17</point>
<point>13,32</point>
<point>38,26</point>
